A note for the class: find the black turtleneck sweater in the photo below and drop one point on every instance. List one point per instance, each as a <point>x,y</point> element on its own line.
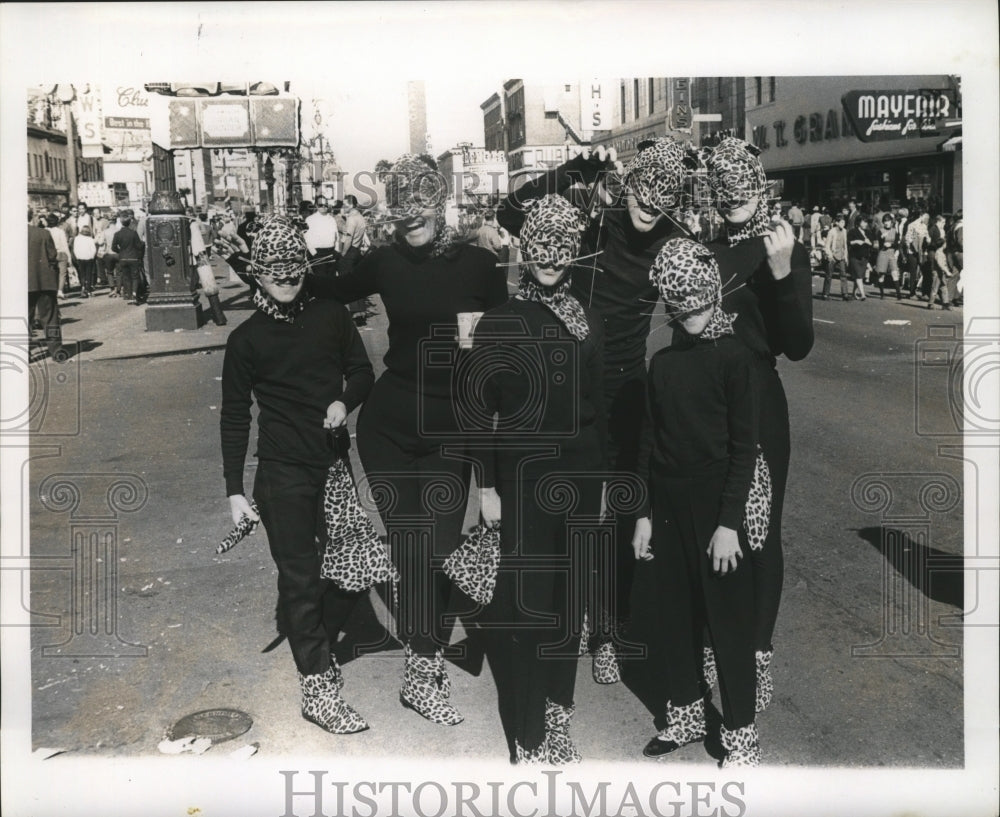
<point>295,371</point>
<point>422,297</point>
<point>701,418</point>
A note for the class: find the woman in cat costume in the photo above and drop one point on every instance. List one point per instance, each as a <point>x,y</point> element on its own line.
<point>767,284</point>
<point>537,364</point>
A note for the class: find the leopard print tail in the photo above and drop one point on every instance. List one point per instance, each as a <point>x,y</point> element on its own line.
<point>323,706</point>
<point>559,747</point>
<point>422,689</point>
<point>742,746</point>
<point>525,757</point>
<point>709,670</point>
<point>606,669</point>
<point>685,724</point>
<point>765,681</point>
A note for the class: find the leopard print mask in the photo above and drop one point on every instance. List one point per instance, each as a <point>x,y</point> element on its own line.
<point>551,237</point>
<point>412,187</point>
<point>658,176</point>
<point>736,175</point>
<point>279,251</point>
<point>687,276</point>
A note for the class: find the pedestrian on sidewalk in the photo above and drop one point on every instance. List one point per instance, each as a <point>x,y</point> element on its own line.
<point>55,222</point>
<point>835,250</point>
<point>43,282</point>
<point>204,277</point>
<point>698,453</point>
<point>85,259</point>
<point>534,663</point>
<point>886,267</point>
<point>769,289</point>
<point>859,247</point>
<point>130,249</point>
<point>940,269</point>
<point>304,362</point>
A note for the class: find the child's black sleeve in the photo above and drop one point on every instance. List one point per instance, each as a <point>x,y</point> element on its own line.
<point>234,419</point>
<point>742,410</point>
<point>359,283</point>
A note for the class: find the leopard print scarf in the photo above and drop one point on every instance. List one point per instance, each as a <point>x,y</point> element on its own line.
<point>687,276</point>
<point>287,313</point>
<point>279,251</point>
<point>736,175</point>
<point>550,237</point>
<point>413,186</point>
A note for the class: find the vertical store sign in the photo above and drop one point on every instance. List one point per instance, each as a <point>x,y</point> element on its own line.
<point>596,100</point>
<point>87,110</point>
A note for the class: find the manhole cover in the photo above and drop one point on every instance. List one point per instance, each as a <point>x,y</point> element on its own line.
<point>215,724</point>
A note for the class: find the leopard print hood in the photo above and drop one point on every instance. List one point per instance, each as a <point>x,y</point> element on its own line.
<point>413,186</point>
<point>279,251</point>
<point>551,237</point>
<point>736,175</point>
<point>687,276</point>
<point>659,175</point>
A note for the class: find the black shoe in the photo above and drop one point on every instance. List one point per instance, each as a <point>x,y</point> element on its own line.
<point>930,306</point>
<point>824,297</point>
<point>947,307</point>
<point>659,748</point>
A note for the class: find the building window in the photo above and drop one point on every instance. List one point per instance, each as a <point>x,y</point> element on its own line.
<point>771,89</point>
<point>651,94</point>
<point>622,106</point>
<point>635,101</point>
<point>758,89</point>
<point>718,88</point>
<point>567,88</point>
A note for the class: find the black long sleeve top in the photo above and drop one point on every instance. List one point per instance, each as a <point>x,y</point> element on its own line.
<point>295,371</point>
<point>701,419</point>
<point>772,317</point>
<point>546,388</point>
<point>422,297</point>
<point>615,283</point>
<point>128,245</point>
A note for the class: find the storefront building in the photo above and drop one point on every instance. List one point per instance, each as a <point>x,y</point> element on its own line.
<point>809,145</point>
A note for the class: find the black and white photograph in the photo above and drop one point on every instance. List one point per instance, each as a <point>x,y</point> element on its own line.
<point>500,409</point>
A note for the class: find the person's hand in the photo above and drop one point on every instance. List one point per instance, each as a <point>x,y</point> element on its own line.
<point>489,506</point>
<point>336,414</point>
<point>778,242</point>
<point>641,539</point>
<point>724,550</point>
<point>239,507</point>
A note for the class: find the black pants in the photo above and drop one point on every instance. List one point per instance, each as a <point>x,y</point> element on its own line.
<point>532,624</point>
<point>88,270</point>
<point>130,271</point>
<point>311,610</point>
<point>624,397</point>
<point>43,306</point>
<point>421,496</point>
<point>324,262</point>
<point>692,597</point>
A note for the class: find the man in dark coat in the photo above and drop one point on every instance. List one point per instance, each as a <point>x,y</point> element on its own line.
<point>43,282</point>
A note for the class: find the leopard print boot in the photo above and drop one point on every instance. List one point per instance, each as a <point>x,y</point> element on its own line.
<point>323,706</point>
<point>685,724</point>
<point>765,681</point>
<point>709,671</point>
<point>422,692</point>
<point>742,746</point>
<point>523,757</point>
<point>559,746</point>
<point>606,669</point>
<point>443,681</point>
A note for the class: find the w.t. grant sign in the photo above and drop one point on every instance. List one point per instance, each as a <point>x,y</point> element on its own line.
<point>882,115</point>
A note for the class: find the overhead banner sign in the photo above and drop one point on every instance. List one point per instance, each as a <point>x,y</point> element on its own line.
<point>884,115</point>
<point>234,122</point>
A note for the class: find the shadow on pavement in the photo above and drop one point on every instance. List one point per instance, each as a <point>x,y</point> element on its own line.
<point>936,574</point>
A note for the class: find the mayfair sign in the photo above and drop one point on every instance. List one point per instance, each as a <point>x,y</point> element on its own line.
<point>884,115</point>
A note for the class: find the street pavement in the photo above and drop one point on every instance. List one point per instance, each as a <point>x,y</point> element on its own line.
<point>868,667</point>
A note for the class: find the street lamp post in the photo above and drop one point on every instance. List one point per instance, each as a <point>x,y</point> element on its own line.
<point>66,94</point>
